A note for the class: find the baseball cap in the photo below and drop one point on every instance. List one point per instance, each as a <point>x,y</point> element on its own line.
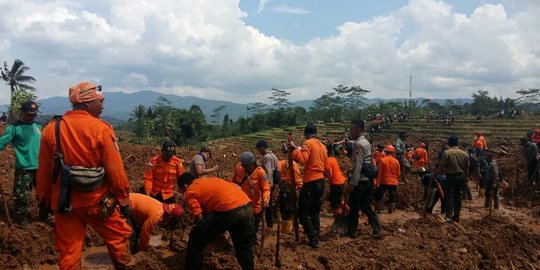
<point>261,144</point>
<point>29,107</point>
<point>247,158</point>
<point>173,209</point>
<point>310,129</point>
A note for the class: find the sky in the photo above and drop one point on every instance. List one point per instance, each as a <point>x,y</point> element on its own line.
<point>238,50</point>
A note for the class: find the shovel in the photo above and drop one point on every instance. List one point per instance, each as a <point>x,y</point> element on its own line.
<point>339,226</point>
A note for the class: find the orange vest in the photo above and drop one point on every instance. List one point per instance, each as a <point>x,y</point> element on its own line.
<point>212,194</point>
<point>480,143</point>
<point>285,172</point>
<point>86,141</point>
<point>313,155</point>
<point>254,185</point>
<point>389,171</point>
<point>160,176</point>
<point>420,157</point>
<point>336,176</point>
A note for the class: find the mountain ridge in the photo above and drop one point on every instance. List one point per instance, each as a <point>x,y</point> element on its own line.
<point>119,105</point>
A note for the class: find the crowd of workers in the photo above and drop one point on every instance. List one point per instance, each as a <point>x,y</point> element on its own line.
<point>75,165</point>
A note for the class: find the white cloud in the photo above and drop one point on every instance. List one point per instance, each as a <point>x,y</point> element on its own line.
<point>261,6</point>
<point>291,10</point>
<point>203,48</point>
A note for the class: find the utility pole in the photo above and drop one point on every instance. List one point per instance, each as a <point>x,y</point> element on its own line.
<point>410,92</point>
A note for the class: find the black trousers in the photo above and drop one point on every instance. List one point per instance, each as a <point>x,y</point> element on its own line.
<point>309,207</point>
<point>285,200</point>
<point>360,199</point>
<point>453,187</point>
<point>269,211</point>
<point>159,197</point>
<point>491,191</point>
<point>336,191</point>
<point>392,193</point>
<point>238,222</point>
<point>531,167</point>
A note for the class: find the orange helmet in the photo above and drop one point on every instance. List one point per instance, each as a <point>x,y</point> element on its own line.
<point>389,149</point>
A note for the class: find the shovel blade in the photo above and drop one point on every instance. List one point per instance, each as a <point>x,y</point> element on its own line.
<point>340,224</point>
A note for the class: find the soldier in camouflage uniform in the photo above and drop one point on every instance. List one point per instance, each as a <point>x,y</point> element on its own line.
<point>25,136</point>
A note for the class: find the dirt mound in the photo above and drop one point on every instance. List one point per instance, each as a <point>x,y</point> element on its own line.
<point>30,245</point>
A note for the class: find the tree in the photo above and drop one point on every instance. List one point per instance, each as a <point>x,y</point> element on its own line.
<point>19,97</point>
<point>280,98</point>
<point>528,97</point>
<point>138,114</point>
<point>216,114</point>
<point>16,79</point>
<point>483,103</point>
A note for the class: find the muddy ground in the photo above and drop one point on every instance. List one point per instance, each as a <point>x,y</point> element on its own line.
<point>508,239</point>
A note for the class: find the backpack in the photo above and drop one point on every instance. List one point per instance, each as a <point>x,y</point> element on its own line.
<point>369,170</point>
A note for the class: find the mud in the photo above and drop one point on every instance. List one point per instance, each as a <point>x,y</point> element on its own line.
<point>508,239</point>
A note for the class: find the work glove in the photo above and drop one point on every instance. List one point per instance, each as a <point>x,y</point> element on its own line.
<point>125,211</point>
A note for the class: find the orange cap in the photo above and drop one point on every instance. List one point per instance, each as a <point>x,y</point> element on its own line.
<point>84,92</point>
<point>173,209</point>
<point>390,149</point>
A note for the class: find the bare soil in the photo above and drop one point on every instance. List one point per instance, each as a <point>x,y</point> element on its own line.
<point>508,239</point>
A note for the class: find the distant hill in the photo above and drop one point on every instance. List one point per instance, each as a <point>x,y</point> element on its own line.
<point>119,105</point>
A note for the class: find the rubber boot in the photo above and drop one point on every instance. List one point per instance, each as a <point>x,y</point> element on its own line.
<point>391,208</point>
<point>481,193</point>
<point>376,226</point>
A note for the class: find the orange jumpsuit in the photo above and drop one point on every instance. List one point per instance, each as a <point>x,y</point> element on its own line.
<point>389,171</point>
<point>239,173</point>
<point>420,157</point>
<point>160,176</point>
<point>480,143</point>
<point>313,155</point>
<point>255,185</point>
<point>212,194</point>
<point>377,155</point>
<point>90,142</point>
<point>285,172</point>
<point>147,212</point>
<point>336,176</point>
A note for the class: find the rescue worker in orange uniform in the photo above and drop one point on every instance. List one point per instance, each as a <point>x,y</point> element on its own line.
<point>378,154</point>
<point>387,179</point>
<point>285,191</point>
<point>337,181</point>
<point>255,184</point>
<point>146,213</point>
<point>218,206</point>
<point>313,155</point>
<point>479,143</point>
<point>90,142</point>
<point>238,173</point>
<point>420,156</point>
<point>162,173</point>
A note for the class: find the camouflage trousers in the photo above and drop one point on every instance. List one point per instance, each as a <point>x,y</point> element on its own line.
<point>22,189</point>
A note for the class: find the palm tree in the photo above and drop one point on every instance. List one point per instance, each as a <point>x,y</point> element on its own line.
<point>164,124</point>
<point>16,79</point>
<point>138,114</point>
